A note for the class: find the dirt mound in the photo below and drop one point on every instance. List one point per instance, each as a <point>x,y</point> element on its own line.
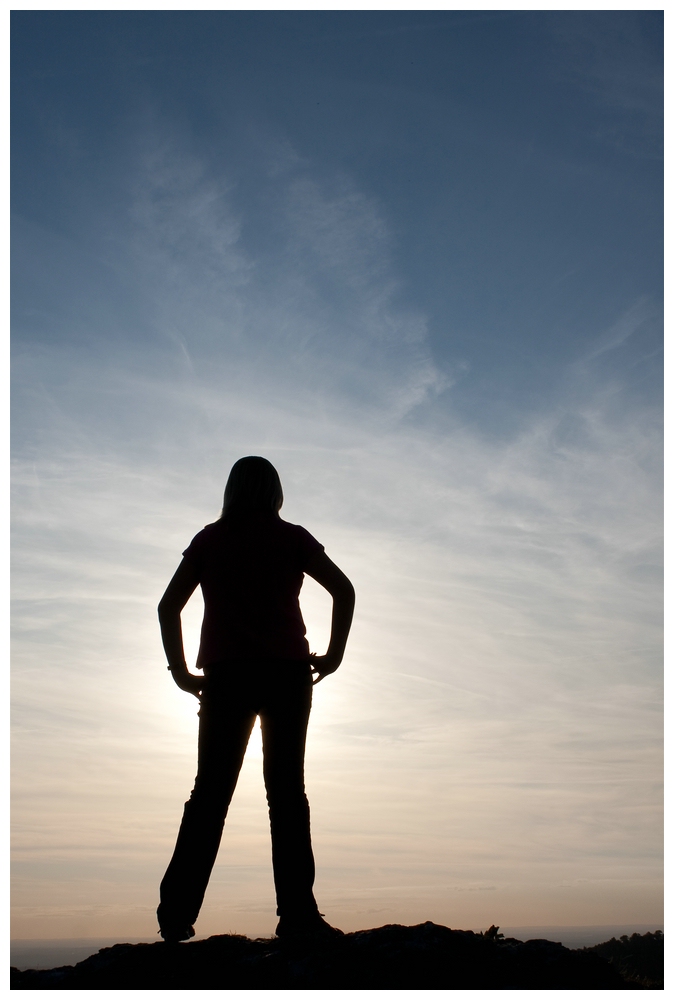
<point>427,956</point>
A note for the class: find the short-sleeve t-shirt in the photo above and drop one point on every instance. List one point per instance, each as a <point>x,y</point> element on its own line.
<point>251,571</point>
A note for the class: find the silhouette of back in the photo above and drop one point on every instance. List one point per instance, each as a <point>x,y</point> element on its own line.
<point>256,662</point>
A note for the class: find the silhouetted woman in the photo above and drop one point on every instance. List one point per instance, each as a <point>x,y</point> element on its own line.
<point>256,661</point>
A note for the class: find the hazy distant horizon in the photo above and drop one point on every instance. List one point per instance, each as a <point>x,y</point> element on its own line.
<point>414,259</point>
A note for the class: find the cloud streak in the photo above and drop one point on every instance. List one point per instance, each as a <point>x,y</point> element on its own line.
<point>489,750</point>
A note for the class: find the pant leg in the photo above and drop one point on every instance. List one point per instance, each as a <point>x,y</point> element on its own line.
<point>284,716</point>
<point>225,722</point>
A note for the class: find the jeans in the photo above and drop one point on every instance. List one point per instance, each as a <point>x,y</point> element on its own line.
<point>279,691</point>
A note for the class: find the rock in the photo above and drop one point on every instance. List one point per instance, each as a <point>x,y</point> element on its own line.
<point>425,957</point>
<point>640,959</point>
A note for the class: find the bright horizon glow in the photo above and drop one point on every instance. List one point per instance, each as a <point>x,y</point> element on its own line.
<point>478,450</point>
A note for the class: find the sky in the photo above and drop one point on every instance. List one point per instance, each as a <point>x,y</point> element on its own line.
<point>414,259</point>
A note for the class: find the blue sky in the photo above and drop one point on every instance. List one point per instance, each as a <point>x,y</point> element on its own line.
<point>414,258</point>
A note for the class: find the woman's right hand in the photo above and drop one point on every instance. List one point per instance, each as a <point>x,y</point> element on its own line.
<point>324,571</point>
<point>323,665</point>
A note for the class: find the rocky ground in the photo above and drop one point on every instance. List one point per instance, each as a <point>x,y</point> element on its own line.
<point>427,956</point>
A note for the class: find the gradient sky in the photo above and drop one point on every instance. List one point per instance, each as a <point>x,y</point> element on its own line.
<point>414,259</point>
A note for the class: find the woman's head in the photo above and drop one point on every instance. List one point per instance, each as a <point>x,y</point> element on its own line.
<point>253,485</point>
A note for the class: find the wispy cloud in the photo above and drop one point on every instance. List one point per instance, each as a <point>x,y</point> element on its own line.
<point>625,327</point>
<point>318,304</point>
<point>498,710</point>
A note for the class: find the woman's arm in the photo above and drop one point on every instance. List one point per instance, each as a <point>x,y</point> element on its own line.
<point>177,594</point>
<point>323,571</point>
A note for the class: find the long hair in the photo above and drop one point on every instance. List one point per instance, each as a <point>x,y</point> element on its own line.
<point>253,486</point>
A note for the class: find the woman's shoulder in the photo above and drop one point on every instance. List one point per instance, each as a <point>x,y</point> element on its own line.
<point>209,530</point>
<point>289,527</point>
<point>299,534</point>
<point>204,537</point>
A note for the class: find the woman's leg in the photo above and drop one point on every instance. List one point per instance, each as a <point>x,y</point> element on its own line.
<point>225,724</point>
<point>284,716</point>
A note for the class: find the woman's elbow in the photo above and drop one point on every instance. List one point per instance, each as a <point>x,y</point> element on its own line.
<point>167,609</point>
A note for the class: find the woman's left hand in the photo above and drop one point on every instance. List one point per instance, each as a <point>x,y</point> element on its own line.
<point>186,681</point>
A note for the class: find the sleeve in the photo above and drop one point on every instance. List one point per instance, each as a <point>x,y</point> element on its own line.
<point>194,550</point>
<point>307,545</point>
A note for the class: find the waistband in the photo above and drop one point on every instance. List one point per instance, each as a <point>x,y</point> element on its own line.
<point>262,663</point>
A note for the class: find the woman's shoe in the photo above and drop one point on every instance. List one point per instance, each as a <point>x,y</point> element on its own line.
<point>171,927</point>
<point>172,935</point>
<point>313,925</point>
